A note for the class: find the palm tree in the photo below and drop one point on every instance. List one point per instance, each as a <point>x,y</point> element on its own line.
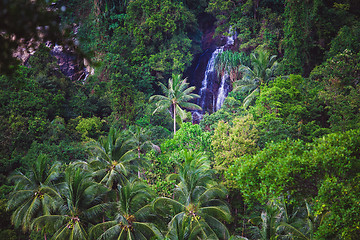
<point>139,141</point>
<point>34,195</point>
<point>304,228</point>
<point>194,172</point>
<point>267,224</point>
<point>112,158</point>
<point>277,222</point>
<point>263,67</point>
<point>197,208</point>
<point>176,97</point>
<point>132,211</point>
<point>80,207</point>
<point>229,62</point>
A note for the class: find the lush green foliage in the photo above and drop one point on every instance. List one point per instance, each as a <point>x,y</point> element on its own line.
<point>289,107</point>
<point>93,158</point>
<point>34,195</point>
<point>262,71</point>
<point>340,93</point>
<point>177,95</point>
<point>230,142</point>
<point>189,138</point>
<point>196,208</point>
<point>325,169</point>
<point>130,218</point>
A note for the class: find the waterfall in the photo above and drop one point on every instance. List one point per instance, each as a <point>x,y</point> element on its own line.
<point>223,91</point>
<point>212,95</point>
<point>210,72</point>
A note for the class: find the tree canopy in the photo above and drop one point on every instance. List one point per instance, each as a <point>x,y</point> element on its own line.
<point>98,140</point>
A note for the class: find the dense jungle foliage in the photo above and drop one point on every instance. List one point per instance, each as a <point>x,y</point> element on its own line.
<point>115,155</point>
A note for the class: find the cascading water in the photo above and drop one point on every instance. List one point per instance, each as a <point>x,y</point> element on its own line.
<point>212,96</point>
<point>223,91</point>
<point>210,72</point>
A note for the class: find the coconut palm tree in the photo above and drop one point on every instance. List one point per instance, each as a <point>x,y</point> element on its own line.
<point>194,172</point>
<point>112,158</point>
<point>196,210</point>
<point>81,206</point>
<point>263,67</point>
<point>267,224</point>
<point>34,194</point>
<point>305,227</point>
<point>277,222</point>
<point>176,97</point>
<point>131,212</point>
<point>139,141</point>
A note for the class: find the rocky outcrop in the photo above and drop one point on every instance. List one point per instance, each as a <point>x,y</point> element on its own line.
<point>70,64</point>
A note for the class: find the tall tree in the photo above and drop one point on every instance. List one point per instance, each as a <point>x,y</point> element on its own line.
<point>297,39</point>
<point>139,140</point>
<point>34,195</point>
<point>131,212</point>
<point>112,158</point>
<point>176,96</point>
<point>81,205</point>
<point>263,67</point>
<point>196,210</point>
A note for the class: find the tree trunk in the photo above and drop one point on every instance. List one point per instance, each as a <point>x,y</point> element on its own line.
<point>139,161</point>
<point>256,5</point>
<point>174,118</point>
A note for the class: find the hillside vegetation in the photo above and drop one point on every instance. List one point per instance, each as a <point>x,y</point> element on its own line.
<point>113,154</point>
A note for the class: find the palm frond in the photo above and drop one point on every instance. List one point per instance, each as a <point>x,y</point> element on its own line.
<point>250,98</point>
<point>162,202</point>
<point>296,233</point>
<point>148,230</point>
<point>105,230</point>
<point>218,212</point>
<point>212,193</point>
<point>217,227</point>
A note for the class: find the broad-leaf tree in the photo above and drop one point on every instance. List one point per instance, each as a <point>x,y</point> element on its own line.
<point>232,141</point>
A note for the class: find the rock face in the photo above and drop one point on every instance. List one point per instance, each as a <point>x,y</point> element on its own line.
<point>69,63</point>
<point>25,50</point>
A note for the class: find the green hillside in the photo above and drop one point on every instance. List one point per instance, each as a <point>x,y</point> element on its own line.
<point>98,140</point>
